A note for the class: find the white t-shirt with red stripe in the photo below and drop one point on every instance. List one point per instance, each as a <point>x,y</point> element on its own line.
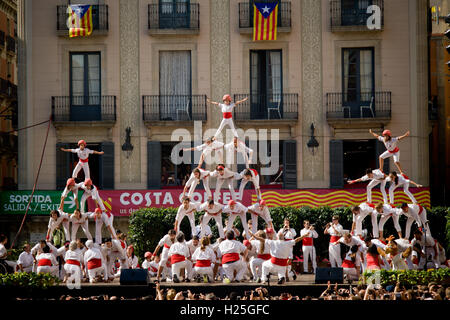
<point>179,248</point>
<point>215,209</point>
<point>165,241</point>
<point>238,208</point>
<point>280,249</point>
<point>391,144</point>
<point>207,254</point>
<point>82,154</point>
<point>231,246</point>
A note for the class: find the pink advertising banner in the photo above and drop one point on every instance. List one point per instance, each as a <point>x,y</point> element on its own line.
<point>125,202</point>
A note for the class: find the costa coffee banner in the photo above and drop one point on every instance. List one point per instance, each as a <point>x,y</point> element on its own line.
<point>125,202</point>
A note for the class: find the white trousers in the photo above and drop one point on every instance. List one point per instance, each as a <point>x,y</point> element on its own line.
<point>238,266</point>
<point>98,229</point>
<point>93,273</point>
<point>176,267</point>
<point>256,267</point>
<point>191,218</point>
<point>373,218</point>
<point>219,183</point>
<point>405,190</point>
<point>244,183</point>
<point>72,269</point>
<point>81,165</point>
<point>269,267</point>
<point>255,221</point>
<point>201,271</point>
<point>388,154</point>
<point>309,252</point>
<point>53,270</point>
<point>334,251</point>
<point>385,218</point>
<point>194,184</point>
<point>233,217</point>
<point>164,257</point>
<point>373,184</point>
<point>206,218</point>
<point>421,222</point>
<point>229,122</point>
<point>84,197</point>
<point>84,226</point>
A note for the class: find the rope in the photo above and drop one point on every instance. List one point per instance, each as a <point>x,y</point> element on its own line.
<point>37,176</point>
<point>31,126</point>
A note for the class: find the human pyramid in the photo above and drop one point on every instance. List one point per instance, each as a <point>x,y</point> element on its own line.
<point>262,253</point>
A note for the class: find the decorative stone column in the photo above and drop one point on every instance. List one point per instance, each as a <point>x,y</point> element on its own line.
<point>130,115</point>
<point>312,106</point>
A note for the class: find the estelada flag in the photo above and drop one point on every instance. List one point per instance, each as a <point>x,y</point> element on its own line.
<point>265,17</point>
<point>80,20</point>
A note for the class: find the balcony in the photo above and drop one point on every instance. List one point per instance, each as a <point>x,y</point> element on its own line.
<point>370,108</point>
<point>100,110</point>
<point>267,107</point>
<point>8,89</point>
<point>177,18</point>
<point>10,45</point>
<point>246,17</point>
<point>2,39</point>
<point>353,17</point>
<point>174,107</point>
<point>99,19</point>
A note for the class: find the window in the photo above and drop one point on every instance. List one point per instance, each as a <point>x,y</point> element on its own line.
<point>357,78</point>
<point>175,85</point>
<point>174,14</point>
<point>354,12</point>
<point>85,85</point>
<point>173,174</point>
<point>266,83</point>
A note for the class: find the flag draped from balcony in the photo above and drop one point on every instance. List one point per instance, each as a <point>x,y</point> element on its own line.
<point>80,20</point>
<point>265,17</point>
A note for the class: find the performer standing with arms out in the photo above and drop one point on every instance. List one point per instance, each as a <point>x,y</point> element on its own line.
<point>187,209</point>
<point>239,146</point>
<point>309,251</point>
<point>396,181</point>
<point>83,154</point>
<point>194,179</point>
<point>209,146</point>
<point>227,112</point>
<point>376,177</point>
<point>391,147</point>
<point>246,176</point>
<point>334,229</point>
<point>223,175</point>
<point>261,210</point>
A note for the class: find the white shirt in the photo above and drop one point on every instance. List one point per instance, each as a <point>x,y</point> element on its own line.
<point>401,180</point>
<point>215,209</point>
<point>355,241</point>
<point>226,108</point>
<point>336,231</point>
<point>73,255</point>
<point>257,245</point>
<point>165,240</point>
<point>83,218</point>
<point>253,179</point>
<point>263,213</point>
<point>281,249</point>
<point>93,253</point>
<point>377,175</point>
<point>391,144</point>
<point>241,147</point>
<point>413,212</point>
<point>150,265</point>
<point>379,244</point>
<point>206,149</point>
<point>238,208</point>
<point>74,190</point>
<point>52,224</point>
<point>3,251</point>
<point>179,248</point>
<point>388,210</point>
<point>312,233</point>
<point>192,178</point>
<point>133,262</point>
<point>191,246</point>
<point>82,154</point>
<point>207,254</point>
<point>227,174</point>
<point>25,259</point>
<point>93,192</point>
<point>289,234</point>
<point>192,207</point>
<point>48,256</point>
<point>231,246</point>
<point>37,249</point>
<point>198,230</point>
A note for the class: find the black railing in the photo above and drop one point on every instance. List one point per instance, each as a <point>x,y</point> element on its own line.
<point>2,38</point>
<point>366,105</point>
<point>174,107</point>
<point>355,15</point>
<point>8,89</point>
<point>246,15</point>
<point>10,44</point>
<point>267,107</point>
<point>173,15</point>
<point>99,18</point>
<point>82,108</point>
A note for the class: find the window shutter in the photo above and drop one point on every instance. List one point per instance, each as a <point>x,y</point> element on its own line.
<point>336,164</point>
<point>379,149</point>
<point>107,166</point>
<point>153,165</point>
<point>62,166</point>
<point>290,164</point>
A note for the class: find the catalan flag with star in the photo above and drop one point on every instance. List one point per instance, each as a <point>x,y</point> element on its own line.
<point>80,20</point>
<point>265,15</point>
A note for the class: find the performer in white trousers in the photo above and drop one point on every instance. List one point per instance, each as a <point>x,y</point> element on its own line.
<point>204,257</point>
<point>263,254</point>
<point>73,262</point>
<point>212,210</point>
<point>79,219</point>
<point>73,187</point>
<point>309,251</point>
<point>115,249</point>
<point>386,211</point>
<point>335,230</point>
<point>230,251</point>
<point>94,262</point>
<point>194,180</point>
<point>179,255</point>
<point>288,234</point>
<point>391,147</point>
<point>360,213</point>
<point>246,176</point>
<point>90,191</point>
<point>227,112</point>
<point>236,209</point>
<point>376,177</point>
<point>430,249</point>
<point>207,148</point>
<point>58,217</point>
<point>238,146</point>
<point>83,156</point>
<point>25,260</point>
<point>351,241</point>
<point>398,180</point>
<point>46,262</point>
<point>187,209</point>
<point>381,243</point>
<point>150,264</point>
<point>417,213</point>
<point>224,175</point>
<point>260,210</point>
<point>166,242</point>
<point>279,250</point>
<point>350,270</point>
<point>102,218</point>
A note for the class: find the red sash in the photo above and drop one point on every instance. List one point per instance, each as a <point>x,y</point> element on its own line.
<point>348,264</point>
<point>230,257</point>
<point>420,209</point>
<point>45,262</point>
<point>279,262</point>
<point>392,206</point>
<point>166,246</point>
<point>84,160</point>
<point>405,176</point>
<point>266,256</point>
<point>94,263</point>
<point>122,244</point>
<point>177,258</point>
<point>203,263</point>
<point>227,115</point>
<point>370,205</point>
<point>334,239</point>
<point>153,269</point>
<point>308,241</point>
<point>74,262</point>
<point>372,261</point>
<point>395,150</point>
<point>255,172</point>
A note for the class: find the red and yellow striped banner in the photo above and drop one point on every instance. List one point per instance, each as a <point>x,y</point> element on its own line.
<point>265,26</point>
